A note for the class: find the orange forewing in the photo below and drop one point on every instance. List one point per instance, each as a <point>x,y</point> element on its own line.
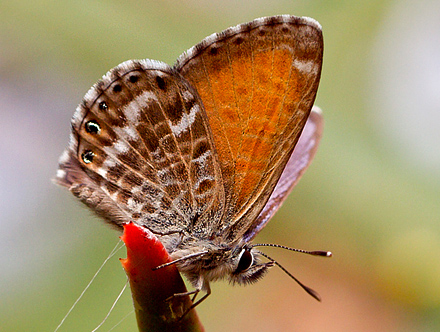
<point>258,84</point>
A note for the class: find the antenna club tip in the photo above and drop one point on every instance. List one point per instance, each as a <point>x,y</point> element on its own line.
<point>312,292</point>
<point>322,253</point>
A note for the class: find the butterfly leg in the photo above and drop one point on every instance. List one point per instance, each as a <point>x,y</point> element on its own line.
<point>195,304</point>
<point>194,297</point>
<point>208,292</point>
<point>194,293</point>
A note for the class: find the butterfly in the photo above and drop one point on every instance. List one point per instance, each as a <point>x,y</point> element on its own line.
<point>202,153</point>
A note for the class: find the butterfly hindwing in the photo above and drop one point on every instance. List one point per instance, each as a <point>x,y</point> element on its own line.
<point>141,150</point>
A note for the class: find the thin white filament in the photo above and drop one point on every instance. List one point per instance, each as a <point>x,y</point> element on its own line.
<point>112,307</point>
<point>123,318</point>
<point>112,253</point>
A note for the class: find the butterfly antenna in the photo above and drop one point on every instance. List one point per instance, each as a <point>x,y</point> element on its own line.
<point>201,253</point>
<point>310,291</point>
<point>314,253</point>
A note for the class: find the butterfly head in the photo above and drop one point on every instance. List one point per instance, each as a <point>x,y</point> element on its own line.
<point>248,266</point>
<point>241,264</point>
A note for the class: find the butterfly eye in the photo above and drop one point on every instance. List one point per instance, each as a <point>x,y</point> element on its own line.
<point>87,156</point>
<point>92,127</point>
<point>245,261</point>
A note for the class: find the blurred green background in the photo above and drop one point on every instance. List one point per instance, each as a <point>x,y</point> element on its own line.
<point>371,195</point>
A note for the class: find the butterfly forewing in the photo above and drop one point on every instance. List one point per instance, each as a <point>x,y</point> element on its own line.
<point>142,150</point>
<point>258,82</point>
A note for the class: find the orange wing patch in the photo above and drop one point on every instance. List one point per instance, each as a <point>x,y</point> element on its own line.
<point>258,83</point>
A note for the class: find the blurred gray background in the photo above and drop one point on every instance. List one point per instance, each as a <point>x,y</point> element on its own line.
<point>371,195</point>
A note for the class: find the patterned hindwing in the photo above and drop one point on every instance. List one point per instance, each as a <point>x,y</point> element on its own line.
<point>258,82</point>
<point>141,150</point>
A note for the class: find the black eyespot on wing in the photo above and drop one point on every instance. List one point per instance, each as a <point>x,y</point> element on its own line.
<point>117,88</point>
<point>87,156</point>
<point>133,78</point>
<point>238,40</point>
<point>92,127</point>
<point>161,83</point>
<point>103,106</point>
<point>213,50</point>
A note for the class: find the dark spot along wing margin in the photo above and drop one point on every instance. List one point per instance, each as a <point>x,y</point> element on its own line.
<point>152,155</point>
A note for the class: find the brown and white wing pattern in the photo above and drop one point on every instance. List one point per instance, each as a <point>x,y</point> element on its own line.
<point>141,150</point>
